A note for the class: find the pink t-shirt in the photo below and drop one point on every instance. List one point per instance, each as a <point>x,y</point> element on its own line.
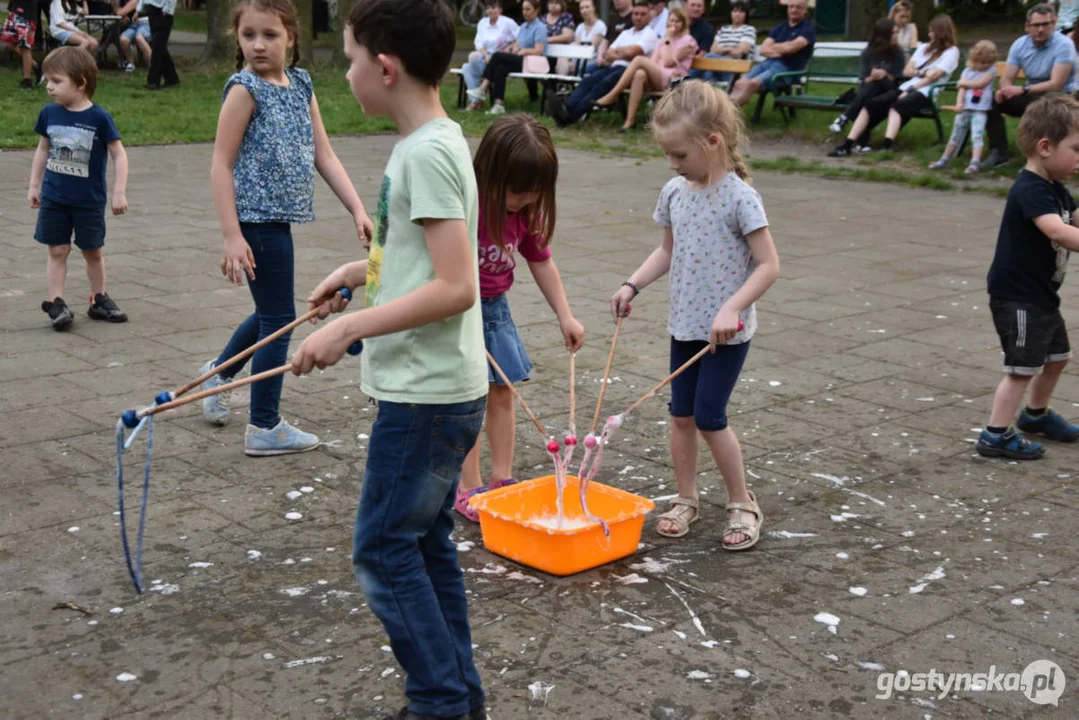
<point>676,45</point>
<point>496,264</point>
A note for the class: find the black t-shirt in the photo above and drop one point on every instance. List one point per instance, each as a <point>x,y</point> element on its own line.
<point>703,32</point>
<point>615,28</point>
<point>1028,267</point>
<point>26,9</point>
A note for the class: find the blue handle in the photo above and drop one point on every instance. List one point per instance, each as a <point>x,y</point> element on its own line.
<point>355,348</point>
<point>345,293</point>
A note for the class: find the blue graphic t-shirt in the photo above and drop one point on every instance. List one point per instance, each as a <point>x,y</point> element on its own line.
<point>78,156</point>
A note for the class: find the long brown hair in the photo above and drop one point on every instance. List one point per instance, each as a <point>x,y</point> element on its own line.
<point>284,9</point>
<point>943,36</point>
<point>517,155</point>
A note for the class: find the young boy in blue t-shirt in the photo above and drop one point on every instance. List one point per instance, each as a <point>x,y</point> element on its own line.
<point>1039,230</point>
<point>68,184</point>
<point>424,357</point>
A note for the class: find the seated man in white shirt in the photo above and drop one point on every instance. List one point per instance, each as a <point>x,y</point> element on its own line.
<point>660,14</point>
<point>637,40</point>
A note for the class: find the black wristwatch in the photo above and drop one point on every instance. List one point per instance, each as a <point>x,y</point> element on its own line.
<point>633,285</point>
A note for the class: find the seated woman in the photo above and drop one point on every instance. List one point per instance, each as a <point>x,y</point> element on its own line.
<point>933,62</point>
<point>735,41</point>
<point>559,32</point>
<point>62,15</point>
<point>671,58</point>
<point>530,43</point>
<point>880,68</point>
<point>589,32</point>
<point>492,35</point>
<point>901,14</point>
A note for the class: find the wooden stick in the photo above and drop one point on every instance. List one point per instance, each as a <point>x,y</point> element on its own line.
<point>670,377</point>
<point>524,405</point>
<point>216,391</point>
<point>606,374</point>
<point>573,393</point>
<point>246,353</point>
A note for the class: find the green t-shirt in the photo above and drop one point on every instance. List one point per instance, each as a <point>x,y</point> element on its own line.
<point>429,176</point>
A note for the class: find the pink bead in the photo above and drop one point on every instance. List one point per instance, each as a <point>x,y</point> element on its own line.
<point>552,447</point>
<point>571,440</point>
<point>590,441</point>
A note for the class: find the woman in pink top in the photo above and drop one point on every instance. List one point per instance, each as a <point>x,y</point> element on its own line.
<point>671,59</point>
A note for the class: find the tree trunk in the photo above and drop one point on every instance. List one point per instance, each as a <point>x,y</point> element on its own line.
<point>344,7</point>
<point>863,13</point>
<point>306,11</point>
<point>219,46</point>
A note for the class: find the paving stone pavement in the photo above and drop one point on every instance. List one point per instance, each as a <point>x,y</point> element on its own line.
<point>874,364</point>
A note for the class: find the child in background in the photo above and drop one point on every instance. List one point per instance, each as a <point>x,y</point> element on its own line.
<point>973,103</point>
<point>68,183</point>
<point>1037,233</point>
<point>516,171</point>
<point>721,257</point>
<point>270,140</point>
<point>423,356</point>
<point>17,35</point>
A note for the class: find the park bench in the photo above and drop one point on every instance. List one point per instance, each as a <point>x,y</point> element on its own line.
<point>582,54</point>
<point>831,63</point>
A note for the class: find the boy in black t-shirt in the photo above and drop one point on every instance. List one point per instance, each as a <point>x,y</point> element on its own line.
<point>1037,233</point>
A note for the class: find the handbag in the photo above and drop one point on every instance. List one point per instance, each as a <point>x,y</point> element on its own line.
<point>536,65</point>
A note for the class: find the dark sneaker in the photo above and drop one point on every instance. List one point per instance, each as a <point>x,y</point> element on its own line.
<point>1050,424</point>
<point>841,150</point>
<point>103,308</point>
<point>406,714</point>
<point>26,84</point>
<point>59,313</point>
<point>995,159</point>
<point>1010,444</point>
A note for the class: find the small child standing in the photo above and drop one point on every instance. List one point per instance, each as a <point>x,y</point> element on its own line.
<point>68,184</point>
<point>1037,233</point>
<point>721,257</point>
<point>17,35</point>
<point>973,103</point>
<point>516,171</point>
<point>423,356</point>
<point>270,140</point>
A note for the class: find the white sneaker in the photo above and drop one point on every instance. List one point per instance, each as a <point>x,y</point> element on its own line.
<point>838,124</point>
<point>281,440</point>
<point>497,109</point>
<point>216,407</point>
<point>130,67</point>
<point>477,94</point>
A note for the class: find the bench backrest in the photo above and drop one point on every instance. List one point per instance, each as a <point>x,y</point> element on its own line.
<point>572,51</point>
<point>838,49</point>
<point>729,65</point>
<point>1003,64</point>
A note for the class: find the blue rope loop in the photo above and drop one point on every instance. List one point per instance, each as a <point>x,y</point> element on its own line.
<point>134,567</point>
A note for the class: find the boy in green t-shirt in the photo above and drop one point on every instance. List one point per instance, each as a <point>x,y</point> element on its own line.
<point>423,353</point>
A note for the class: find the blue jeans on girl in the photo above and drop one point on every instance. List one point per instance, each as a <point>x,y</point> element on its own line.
<point>402,554</point>
<point>272,290</point>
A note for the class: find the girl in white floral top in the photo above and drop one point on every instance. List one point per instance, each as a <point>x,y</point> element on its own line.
<point>721,258</point>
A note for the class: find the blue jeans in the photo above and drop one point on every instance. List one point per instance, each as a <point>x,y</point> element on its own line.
<point>591,89</point>
<point>472,70</point>
<point>702,391</point>
<point>765,70</point>
<point>271,244</point>
<point>402,554</point>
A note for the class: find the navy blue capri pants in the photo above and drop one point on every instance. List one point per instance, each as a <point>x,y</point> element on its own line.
<point>703,390</point>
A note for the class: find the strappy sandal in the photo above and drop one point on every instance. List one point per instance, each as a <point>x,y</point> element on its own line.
<point>683,513</point>
<point>741,528</point>
<point>460,503</point>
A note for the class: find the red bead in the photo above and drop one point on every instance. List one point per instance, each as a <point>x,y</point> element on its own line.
<point>552,447</point>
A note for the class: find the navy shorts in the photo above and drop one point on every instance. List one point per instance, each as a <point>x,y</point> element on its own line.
<point>1029,336</point>
<point>503,341</point>
<point>56,222</point>
<point>702,391</point>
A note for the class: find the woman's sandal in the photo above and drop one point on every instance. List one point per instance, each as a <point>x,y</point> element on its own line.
<point>683,513</point>
<point>741,528</point>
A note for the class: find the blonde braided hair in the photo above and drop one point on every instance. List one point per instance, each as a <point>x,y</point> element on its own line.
<point>704,110</point>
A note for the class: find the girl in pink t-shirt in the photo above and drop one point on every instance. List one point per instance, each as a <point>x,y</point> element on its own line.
<point>672,58</point>
<point>516,170</point>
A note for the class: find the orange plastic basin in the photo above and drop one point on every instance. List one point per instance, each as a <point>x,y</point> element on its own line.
<point>519,523</point>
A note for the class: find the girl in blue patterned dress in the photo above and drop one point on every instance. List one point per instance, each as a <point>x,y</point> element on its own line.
<point>270,140</point>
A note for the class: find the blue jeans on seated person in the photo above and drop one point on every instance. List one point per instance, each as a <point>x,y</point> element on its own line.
<point>766,70</point>
<point>472,70</point>
<point>403,556</point>
<point>272,291</point>
<point>589,90</point>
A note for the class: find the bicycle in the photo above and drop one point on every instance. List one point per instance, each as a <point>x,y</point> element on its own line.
<point>470,12</point>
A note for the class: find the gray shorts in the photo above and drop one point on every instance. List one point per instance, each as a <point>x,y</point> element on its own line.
<point>1029,336</point>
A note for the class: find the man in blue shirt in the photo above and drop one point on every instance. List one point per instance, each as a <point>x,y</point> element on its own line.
<point>1047,58</point>
<point>788,48</point>
<point>701,30</point>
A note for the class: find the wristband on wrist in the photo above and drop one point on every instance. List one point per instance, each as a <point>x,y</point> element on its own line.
<point>632,286</point>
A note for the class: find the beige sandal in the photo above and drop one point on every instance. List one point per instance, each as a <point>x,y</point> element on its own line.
<point>683,513</point>
<point>741,528</point>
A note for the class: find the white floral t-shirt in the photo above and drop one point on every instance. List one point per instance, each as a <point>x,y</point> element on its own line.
<point>711,259</point>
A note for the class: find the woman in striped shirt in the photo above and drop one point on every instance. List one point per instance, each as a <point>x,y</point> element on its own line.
<point>736,40</point>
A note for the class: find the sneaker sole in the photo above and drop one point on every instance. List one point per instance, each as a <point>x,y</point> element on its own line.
<point>994,453</point>
<point>271,453</point>
<point>61,324</point>
<point>106,318</point>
